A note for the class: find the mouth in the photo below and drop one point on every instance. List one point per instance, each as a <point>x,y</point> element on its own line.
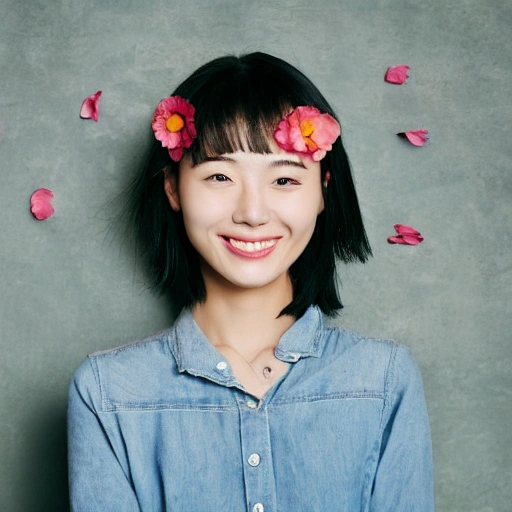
<point>252,246</point>
<point>251,249</point>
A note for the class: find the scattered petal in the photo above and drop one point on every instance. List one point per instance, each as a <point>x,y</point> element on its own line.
<point>406,235</point>
<point>402,229</point>
<point>173,125</point>
<point>397,239</point>
<point>397,74</point>
<point>308,132</point>
<point>412,239</point>
<point>91,107</point>
<point>415,137</point>
<point>41,204</point>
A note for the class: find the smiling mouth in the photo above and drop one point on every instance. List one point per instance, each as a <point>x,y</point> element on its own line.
<point>252,246</point>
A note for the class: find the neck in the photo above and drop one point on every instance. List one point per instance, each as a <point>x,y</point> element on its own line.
<point>245,319</point>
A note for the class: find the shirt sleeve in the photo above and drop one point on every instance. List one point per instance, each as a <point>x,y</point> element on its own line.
<point>404,477</point>
<point>98,481</point>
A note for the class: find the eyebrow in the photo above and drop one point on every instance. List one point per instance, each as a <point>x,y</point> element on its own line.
<point>293,163</point>
<point>214,159</point>
<point>274,163</point>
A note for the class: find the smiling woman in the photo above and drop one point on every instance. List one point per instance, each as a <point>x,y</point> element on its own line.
<point>249,216</point>
<point>241,212</point>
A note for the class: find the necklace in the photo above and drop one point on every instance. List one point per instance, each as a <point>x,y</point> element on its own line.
<point>266,372</point>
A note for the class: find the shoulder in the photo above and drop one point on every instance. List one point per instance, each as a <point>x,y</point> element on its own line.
<point>380,363</point>
<point>129,371</point>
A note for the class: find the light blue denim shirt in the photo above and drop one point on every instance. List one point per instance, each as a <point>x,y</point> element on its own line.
<point>163,425</point>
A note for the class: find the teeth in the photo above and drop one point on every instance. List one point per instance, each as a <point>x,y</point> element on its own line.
<point>252,246</point>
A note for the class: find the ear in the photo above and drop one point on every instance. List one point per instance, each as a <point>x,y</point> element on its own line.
<point>171,190</point>
<point>325,184</point>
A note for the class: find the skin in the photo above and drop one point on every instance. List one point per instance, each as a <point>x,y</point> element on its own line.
<point>272,202</point>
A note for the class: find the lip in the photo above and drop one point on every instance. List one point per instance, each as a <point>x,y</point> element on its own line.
<point>250,255</point>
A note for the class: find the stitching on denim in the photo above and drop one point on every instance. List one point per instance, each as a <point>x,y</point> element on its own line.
<point>136,407</point>
<point>349,395</point>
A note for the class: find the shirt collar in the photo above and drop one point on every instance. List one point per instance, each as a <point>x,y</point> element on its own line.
<point>197,356</point>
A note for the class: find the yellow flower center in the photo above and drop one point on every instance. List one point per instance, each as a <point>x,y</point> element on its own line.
<point>306,128</point>
<point>174,123</point>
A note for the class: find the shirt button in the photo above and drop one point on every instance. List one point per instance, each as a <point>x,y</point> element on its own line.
<point>254,460</point>
<point>222,365</point>
<point>258,508</point>
<point>252,404</point>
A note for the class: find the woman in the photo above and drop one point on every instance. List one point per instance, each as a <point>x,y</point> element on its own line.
<point>249,402</point>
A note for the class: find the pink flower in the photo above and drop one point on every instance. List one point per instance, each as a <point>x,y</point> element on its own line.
<point>308,132</point>
<point>415,137</point>
<point>91,107</point>
<point>173,124</point>
<point>397,74</point>
<point>41,204</point>
<point>405,235</point>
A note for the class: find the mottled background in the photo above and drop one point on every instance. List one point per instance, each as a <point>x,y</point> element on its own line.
<point>69,287</point>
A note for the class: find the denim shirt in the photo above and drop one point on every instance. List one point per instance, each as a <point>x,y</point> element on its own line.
<point>163,425</point>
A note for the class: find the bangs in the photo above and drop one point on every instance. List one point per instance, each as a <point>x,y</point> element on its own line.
<point>236,132</point>
<point>237,108</point>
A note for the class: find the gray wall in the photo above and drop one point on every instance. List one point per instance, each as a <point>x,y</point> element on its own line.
<point>69,287</point>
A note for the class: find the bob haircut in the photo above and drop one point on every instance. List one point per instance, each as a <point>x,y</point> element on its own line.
<point>238,102</point>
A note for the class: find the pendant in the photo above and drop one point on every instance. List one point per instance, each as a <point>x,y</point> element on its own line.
<point>266,372</point>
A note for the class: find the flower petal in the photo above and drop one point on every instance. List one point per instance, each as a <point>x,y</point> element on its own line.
<point>397,74</point>
<point>412,239</point>
<point>41,204</point>
<point>176,154</point>
<point>403,229</point>
<point>406,235</point>
<point>415,137</point>
<point>397,239</point>
<point>91,107</point>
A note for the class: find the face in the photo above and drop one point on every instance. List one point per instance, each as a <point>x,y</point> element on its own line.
<point>248,215</point>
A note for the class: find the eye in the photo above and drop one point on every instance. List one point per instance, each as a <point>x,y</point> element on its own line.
<point>218,177</point>
<point>283,182</point>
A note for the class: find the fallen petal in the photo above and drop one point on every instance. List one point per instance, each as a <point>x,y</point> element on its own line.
<point>91,107</point>
<point>402,229</point>
<point>397,74</point>
<point>406,235</point>
<point>415,137</point>
<point>412,239</point>
<point>41,204</point>
<point>397,239</point>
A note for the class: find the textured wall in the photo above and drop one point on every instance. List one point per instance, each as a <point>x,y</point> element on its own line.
<point>69,287</point>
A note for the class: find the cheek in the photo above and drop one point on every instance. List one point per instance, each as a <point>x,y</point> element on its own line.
<point>302,221</point>
<point>201,213</point>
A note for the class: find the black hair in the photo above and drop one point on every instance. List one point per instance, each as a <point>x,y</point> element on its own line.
<point>238,103</point>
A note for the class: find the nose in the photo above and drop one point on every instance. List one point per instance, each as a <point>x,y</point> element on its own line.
<point>251,206</point>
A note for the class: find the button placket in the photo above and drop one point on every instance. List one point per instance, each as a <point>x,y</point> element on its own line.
<point>259,479</point>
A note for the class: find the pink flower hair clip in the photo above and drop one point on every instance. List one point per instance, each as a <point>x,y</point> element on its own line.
<point>173,125</point>
<point>306,131</point>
